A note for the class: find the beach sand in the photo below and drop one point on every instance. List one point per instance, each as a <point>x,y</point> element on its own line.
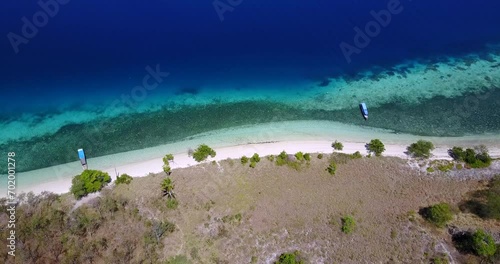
<point>264,139</point>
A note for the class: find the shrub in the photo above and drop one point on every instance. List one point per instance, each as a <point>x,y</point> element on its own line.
<point>290,258</point>
<point>167,187</point>
<point>320,156</point>
<point>446,166</point>
<point>202,153</point>
<point>299,156</point>
<point>167,169</point>
<point>307,157</point>
<point>172,203</point>
<point>481,159</point>
<point>253,164</point>
<point>337,145</point>
<point>270,158</point>
<point>255,158</point>
<point>332,168</point>
<point>376,146</point>
<point>356,155</point>
<point>421,149</point>
<point>282,158</point>
<point>168,157</point>
<point>166,164</point>
<point>483,244</point>
<point>457,153</point>
<point>124,178</point>
<point>244,160</point>
<point>348,224</point>
<point>88,182</point>
<point>438,214</point>
<point>430,169</point>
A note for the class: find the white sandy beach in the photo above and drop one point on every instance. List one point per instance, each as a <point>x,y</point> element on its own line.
<point>264,139</point>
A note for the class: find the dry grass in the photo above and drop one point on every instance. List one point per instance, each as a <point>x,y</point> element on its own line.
<point>283,209</point>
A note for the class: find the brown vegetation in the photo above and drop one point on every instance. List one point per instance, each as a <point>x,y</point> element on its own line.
<point>237,214</point>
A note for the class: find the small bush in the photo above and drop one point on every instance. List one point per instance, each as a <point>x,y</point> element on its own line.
<point>474,158</point>
<point>270,158</point>
<point>172,203</point>
<point>255,158</point>
<point>244,160</point>
<point>202,153</point>
<point>290,258</point>
<point>124,178</point>
<point>332,168</point>
<point>356,155</point>
<point>88,182</point>
<point>282,158</point>
<point>167,187</point>
<point>438,214</point>
<point>348,224</point>
<point>320,156</point>
<point>430,169</point>
<point>337,145</point>
<point>421,149</point>
<point>253,164</point>
<point>483,244</point>
<point>440,260</point>
<point>447,166</point>
<point>307,157</point>
<point>167,169</point>
<point>299,156</point>
<point>376,146</point>
<point>168,157</point>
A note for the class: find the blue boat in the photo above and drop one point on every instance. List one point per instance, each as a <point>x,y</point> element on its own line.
<point>83,159</point>
<point>364,110</point>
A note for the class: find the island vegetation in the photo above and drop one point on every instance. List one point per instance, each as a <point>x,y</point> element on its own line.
<point>88,182</point>
<point>209,213</point>
<point>376,146</point>
<point>202,152</point>
<point>478,157</point>
<point>421,149</point>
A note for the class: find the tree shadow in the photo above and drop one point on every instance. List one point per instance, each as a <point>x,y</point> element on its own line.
<point>462,241</point>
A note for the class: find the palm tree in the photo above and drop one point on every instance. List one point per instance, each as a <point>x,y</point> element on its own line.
<point>167,186</point>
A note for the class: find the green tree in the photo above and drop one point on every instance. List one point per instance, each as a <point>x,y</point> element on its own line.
<point>337,145</point>
<point>438,214</point>
<point>421,149</point>
<point>376,146</point>
<point>457,153</point>
<point>244,160</point>
<point>202,153</point>
<point>332,168</point>
<point>88,182</point>
<point>282,158</point>
<point>255,158</point>
<point>348,224</point>
<point>124,178</point>
<point>483,244</point>
<point>356,155</point>
<point>307,157</point>
<point>167,187</point>
<point>168,157</point>
<point>166,163</point>
<point>290,258</point>
<point>299,156</point>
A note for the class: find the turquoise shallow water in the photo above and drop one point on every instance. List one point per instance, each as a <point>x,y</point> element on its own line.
<point>445,97</point>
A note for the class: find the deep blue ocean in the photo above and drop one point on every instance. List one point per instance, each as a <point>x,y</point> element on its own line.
<point>87,54</point>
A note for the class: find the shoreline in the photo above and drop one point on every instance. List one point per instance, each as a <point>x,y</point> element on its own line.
<point>264,139</point>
